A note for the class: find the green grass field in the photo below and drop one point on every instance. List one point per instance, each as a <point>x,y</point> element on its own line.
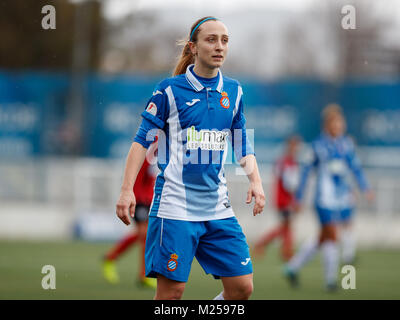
<point>78,275</point>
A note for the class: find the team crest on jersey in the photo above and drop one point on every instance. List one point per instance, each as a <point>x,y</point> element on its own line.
<point>224,101</point>
<point>152,108</point>
<point>172,263</point>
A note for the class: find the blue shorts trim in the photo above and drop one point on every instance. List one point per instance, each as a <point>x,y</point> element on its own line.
<point>219,246</point>
<point>346,215</point>
<point>327,216</point>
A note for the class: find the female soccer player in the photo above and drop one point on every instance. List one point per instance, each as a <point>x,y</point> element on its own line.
<point>194,113</point>
<point>286,173</point>
<point>333,158</point>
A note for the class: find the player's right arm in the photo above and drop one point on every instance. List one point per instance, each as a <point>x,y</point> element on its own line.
<point>126,203</point>
<point>154,118</point>
<point>310,162</point>
<point>355,166</point>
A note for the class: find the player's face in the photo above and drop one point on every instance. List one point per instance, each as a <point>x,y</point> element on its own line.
<point>336,126</point>
<point>211,46</point>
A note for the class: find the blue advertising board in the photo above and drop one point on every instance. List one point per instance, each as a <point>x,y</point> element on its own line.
<point>32,105</point>
<point>29,104</point>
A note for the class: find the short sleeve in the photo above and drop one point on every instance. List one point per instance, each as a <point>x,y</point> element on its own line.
<point>240,140</point>
<point>157,108</point>
<point>238,120</point>
<point>310,161</point>
<point>146,133</point>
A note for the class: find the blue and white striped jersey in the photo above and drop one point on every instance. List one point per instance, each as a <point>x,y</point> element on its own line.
<point>194,119</point>
<point>333,159</point>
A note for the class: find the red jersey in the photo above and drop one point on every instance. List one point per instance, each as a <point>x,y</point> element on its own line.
<point>287,180</point>
<point>144,184</point>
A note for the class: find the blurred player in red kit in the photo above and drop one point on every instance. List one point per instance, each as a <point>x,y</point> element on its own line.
<point>286,173</point>
<point>143,190</point>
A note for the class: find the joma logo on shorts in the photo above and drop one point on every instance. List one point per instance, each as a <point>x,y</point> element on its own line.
<point>245,263</point>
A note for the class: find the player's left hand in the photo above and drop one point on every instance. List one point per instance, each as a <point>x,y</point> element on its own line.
<point>256,190</point>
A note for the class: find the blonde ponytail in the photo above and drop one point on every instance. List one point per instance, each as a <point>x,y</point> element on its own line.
<point>185,59</point>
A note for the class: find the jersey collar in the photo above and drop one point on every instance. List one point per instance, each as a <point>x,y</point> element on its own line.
<point>191,78</point>
<point>328,137</point>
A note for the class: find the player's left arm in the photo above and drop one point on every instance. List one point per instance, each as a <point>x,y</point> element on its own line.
<point>245,155</point>
<point>256,190</point>
<point>354,164</point>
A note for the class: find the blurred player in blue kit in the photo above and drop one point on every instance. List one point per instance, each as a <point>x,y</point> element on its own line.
<point>333,158</point>
<point>195,113</point>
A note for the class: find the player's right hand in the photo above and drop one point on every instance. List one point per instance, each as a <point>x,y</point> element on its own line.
<point>126,206</point>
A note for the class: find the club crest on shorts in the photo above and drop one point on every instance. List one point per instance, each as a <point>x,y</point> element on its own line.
<point>152,108</point>
<point>224,101</point>
<point>172,263</point>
